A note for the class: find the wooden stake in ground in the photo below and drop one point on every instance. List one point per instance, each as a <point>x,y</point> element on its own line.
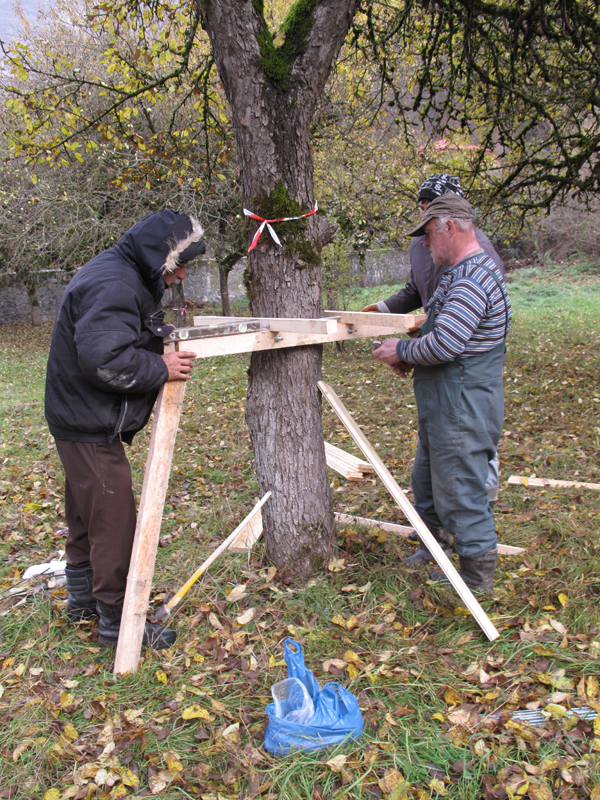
<point>436,551</point>
<point>147,531</point>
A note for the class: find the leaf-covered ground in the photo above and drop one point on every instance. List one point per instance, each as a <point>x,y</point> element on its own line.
<point>436,696</point>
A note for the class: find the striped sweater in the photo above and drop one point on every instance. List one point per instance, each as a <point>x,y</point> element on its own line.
<point>470,315</point>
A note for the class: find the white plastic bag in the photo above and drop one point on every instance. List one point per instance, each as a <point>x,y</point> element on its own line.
<point>292,701</point>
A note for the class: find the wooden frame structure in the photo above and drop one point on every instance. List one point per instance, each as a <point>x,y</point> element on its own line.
<point>216,336</point>
<point>434,548</point>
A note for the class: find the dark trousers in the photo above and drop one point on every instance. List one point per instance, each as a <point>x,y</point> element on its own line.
<point>100,513</point>
<point>461,410</point>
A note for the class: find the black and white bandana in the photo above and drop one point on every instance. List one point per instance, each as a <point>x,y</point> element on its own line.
<point>438,185</point>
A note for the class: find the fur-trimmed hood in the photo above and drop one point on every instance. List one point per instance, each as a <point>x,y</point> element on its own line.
<point>161,242</point>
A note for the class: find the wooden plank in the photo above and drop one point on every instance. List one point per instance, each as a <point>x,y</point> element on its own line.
<point>403,530</point>
<point>275,324</point>
<point>143,556</point>
<point>229,541</point>
<point>249,535</point>
<point>358,463</point>
<point>442,559</point>
<point>521,480</point>
<point>273,340</point>
<point>376,318</point>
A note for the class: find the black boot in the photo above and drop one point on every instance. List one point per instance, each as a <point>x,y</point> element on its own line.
<point>423,556</point>
<point>81,603</point>
<point>155,636</point>
<point>478,573</point>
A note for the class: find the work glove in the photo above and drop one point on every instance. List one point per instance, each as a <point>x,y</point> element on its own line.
<point>371,308</point>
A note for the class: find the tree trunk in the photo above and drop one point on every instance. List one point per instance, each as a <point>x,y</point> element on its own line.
<point>34,302</point>
<point>178,304</point>
<point>273,93</point>
<point>224,288</point>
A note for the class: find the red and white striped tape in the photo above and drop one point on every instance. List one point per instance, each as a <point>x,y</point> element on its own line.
<point>268,222</point>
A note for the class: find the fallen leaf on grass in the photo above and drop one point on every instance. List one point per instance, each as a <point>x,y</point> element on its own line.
<point>196,712</point>
<point>336,764</point>
<point>394,784</point>
<point>246,617</point>
<point>161,676</point>
<point>237,593</point>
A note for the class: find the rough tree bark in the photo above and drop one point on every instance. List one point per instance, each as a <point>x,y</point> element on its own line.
<point>272,90</point>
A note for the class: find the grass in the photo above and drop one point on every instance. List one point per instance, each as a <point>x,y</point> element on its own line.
<point>418,665</point>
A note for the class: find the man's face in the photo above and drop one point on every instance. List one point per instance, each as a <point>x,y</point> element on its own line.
<point>438,244</point>
<point>179,274</point>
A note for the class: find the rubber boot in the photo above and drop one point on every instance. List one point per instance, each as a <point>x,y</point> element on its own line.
<point>423,556</point>
<point>155,636</point>
<point>478,573</point>
<point>414,537</point>
<point>81,603</point>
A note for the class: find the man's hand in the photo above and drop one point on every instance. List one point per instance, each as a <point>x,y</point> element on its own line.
<point>371,308</point>
<point>179,365</point>
<point>386,352</point>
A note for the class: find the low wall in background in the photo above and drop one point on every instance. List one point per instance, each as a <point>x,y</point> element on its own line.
<point>201,285</point>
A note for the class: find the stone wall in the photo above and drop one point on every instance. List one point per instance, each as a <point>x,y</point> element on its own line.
<point>201,285</point>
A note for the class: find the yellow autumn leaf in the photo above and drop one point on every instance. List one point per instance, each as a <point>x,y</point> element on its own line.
<point>337,619</point>
<point>128,777</point>
<point>595,793</point>
<point>350,655</point>
<point>556,710</point>
<point>351,622</point>
<point>52,794</point>
<point>437,786</point>
<point>335,764</point>
<point>196,712</point>
<point>597,726</point>
<point>438,716</point>
<point>592,686</point>
<point>161,676</point>
<point>120,791</point>
<point>353,672</point>
<point>70,733</point>
<point>20,669</point>
<point>563,599</point>
<point>173,764</point>
<point>539,791</point>
<point>66,699</point>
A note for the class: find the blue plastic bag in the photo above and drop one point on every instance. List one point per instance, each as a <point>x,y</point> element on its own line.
<point>337,716</point>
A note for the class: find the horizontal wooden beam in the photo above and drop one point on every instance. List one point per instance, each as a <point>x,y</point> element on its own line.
<point>275,324</point>
<point>375,318</point>
<point>276,340</point>
<point>521,480</point>
<point>403,530</point>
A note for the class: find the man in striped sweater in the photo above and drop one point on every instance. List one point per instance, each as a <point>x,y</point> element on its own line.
<point>457,359</point>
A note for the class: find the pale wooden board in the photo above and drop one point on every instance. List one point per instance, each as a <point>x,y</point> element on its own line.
<point>145,544</point>
<point>249,535</point>
<point>229,541</point>
<point>266,340</point>
<point>376,318</point>
<point>518,480</point>
<point>442,559</point>
<point>342,455</point>
<point>403,530</point>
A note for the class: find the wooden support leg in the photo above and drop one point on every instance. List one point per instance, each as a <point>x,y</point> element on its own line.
<point>143,557</point>
<point>434,548</point>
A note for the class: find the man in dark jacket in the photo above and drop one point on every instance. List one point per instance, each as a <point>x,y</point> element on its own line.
<point>105,368</point>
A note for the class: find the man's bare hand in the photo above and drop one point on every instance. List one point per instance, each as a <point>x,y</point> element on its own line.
<point>386,352</point>
<point>371,308</point>
<point>179,365</point>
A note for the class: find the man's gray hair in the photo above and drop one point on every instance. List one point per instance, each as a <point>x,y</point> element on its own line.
<point>461,224</point>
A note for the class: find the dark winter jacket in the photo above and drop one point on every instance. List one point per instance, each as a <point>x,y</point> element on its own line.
<point>425,276</point>
<point>105,366</point>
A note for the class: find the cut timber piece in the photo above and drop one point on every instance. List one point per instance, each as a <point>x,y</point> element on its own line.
<point>229,541</point>
<point>375,318</point>
<point>349,466</point>
<point>277,340</point>
<point>152,501</point>
<point>249,535</point>
<point>442,559</point>
<point>403,530</point>
<point>518,480</point>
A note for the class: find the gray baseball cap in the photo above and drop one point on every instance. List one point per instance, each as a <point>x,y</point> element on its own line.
<point>447,205</point>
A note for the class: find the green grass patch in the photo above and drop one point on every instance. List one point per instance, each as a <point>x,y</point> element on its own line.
<point>426,678</point>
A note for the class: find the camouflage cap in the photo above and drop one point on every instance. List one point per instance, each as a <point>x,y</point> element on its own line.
<point>447,205</point>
